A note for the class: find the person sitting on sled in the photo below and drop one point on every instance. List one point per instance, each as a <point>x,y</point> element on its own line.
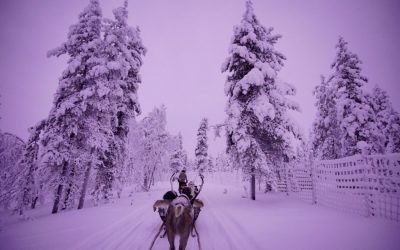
<point>182,180</point>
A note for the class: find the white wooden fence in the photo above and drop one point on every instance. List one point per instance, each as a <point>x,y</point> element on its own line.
<point>365,185</point>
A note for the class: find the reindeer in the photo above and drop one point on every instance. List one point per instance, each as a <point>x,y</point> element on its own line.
<point>181,217</point>
<point>179,221</point>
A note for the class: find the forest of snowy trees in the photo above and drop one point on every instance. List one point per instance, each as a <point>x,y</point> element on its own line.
<point>92,144</point>
<point>350,120</point>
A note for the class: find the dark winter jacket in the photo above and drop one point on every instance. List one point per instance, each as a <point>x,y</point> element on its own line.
<point>182,177</point>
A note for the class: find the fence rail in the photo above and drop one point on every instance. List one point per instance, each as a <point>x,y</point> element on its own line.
<point>365,185</point>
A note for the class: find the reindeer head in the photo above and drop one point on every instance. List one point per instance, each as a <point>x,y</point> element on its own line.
<point>179,221</point>
<point>181,203</point>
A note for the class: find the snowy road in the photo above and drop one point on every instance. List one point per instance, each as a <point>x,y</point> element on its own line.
<point>227,221</point>
<point>136,230</point>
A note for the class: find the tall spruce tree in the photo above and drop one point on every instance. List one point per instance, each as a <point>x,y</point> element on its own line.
<point>388,123</point>
<point>211,164</point>
<point>78,129</point>
<point>122,52</point>
<point>152,151</point>
<point>154,145</point>
<point>259,130</point>
<point>29,182</point>
<point>326,130</point>
<point>355,116</point>
<point>178,158</point>
<point>201,149</point>
<point>11,151</point>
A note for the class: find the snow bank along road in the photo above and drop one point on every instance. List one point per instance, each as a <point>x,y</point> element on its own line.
<point>227,221</point>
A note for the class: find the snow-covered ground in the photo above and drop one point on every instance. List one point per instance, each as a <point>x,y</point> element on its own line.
<point>227,221</point>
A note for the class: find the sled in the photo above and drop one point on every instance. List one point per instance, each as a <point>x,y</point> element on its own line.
<point>161,206</point>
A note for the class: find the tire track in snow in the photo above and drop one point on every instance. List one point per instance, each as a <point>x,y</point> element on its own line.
<point>230,231</point>
<point>239,230</point>
<point>121,235</point>
<point>137,236</point>
<point>156,236</point>
<point>213,233</point>
<point>108,234</point>
<point>218,229</point>
<point>162,243</point>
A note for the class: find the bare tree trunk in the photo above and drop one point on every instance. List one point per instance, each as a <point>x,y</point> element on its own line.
<point>84,187</point>
<point>57,199</point>
<point>33,204</point>
<point>59,191</point>
<point>152,178</point>
<point>66,198</point>
<point>268,187</point>
<point>253,184</point>
<point>69,191</point>
<point>145,183</point>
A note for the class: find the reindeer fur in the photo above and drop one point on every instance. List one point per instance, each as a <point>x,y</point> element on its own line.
<point>179,221</point>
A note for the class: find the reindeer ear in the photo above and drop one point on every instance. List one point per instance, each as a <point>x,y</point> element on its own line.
<point>161,203</point>
<point>155,205</point>
<point>198,203</point>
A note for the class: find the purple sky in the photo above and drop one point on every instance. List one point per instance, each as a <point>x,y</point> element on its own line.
<point>187,42</point>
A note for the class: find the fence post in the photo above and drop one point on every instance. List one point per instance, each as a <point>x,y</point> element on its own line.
<point>287,179</point>
<point>363,162</point>
<point>367,209</point>
<point>313,184</point>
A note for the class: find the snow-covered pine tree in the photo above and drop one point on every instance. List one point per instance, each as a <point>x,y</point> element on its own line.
<point>202,147</point>
<point>304,155</point>
<point>133,151</point>
<point>191,165</point>
<point>377,140</point>
<point>222,163</point>
<point>326,131</point>
<point>78,130</point>
<point>259,130</point>
<point>211,164</point>
<point>11,150</point>
<point>178,158</point>
<point>394,134</point>
<point>355,116</point>
<point>154,144</point>
<point>388,123</point>
<point>122,51</point>
<point>148,149</point>
<point>29,180</point>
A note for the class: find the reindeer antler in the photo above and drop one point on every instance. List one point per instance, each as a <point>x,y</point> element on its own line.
<point>170,179</point>
<point>201,187</point>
